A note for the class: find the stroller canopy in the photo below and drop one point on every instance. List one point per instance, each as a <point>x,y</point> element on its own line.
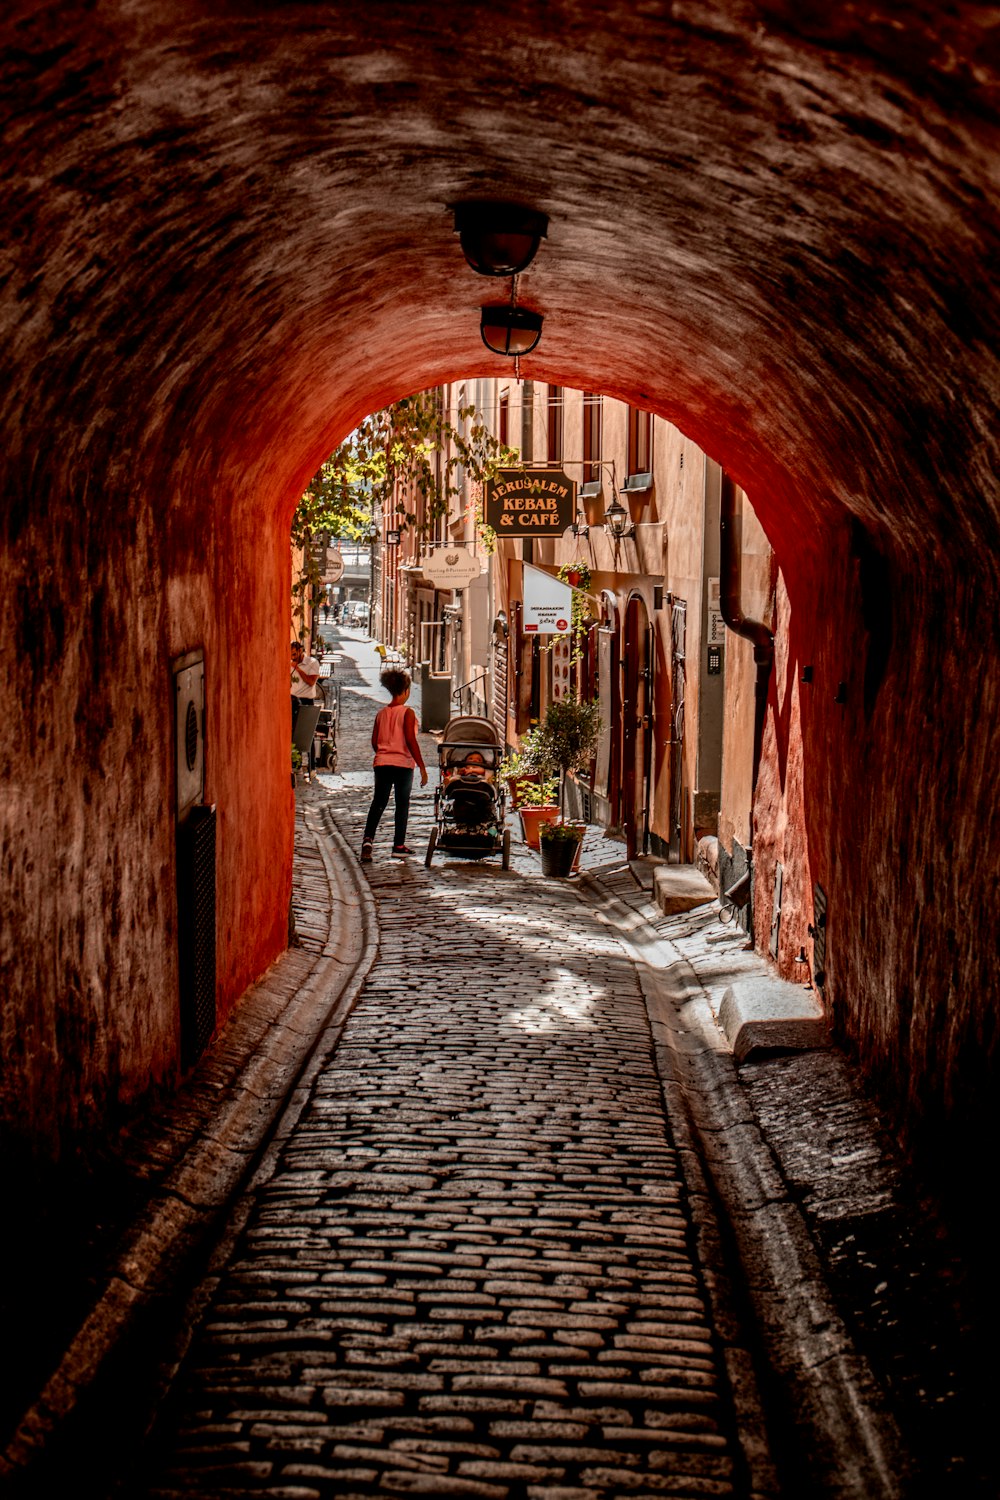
<point>465,733</point>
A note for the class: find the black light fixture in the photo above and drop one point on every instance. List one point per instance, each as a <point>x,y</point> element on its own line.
<point>507,329</point>
<point>578,530</point>
<point>617,522</point>
<point>499,239</point>
<point>372,530</point>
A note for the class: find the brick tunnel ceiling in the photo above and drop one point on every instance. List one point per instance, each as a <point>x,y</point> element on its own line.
<point>775,224</point>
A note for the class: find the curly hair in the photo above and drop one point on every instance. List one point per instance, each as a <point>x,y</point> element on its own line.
<point>395,680</point>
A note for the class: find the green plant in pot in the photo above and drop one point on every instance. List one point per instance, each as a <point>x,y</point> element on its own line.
<point>568,739</point>
<point>541,793</point>
<point>524,766</point>
<point>560,844</point>
<point>537,806</point>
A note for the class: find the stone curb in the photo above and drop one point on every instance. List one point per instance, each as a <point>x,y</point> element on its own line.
<point>833,1391</point>
<point>270,1050</point>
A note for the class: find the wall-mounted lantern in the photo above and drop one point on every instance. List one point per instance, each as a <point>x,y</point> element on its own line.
<point>617,522</point>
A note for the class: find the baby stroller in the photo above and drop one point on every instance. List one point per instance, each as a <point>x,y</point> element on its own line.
<point>469,802</point>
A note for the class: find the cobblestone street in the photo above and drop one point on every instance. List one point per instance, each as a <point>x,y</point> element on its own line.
<point>472,1270</point>
<point>470,1197</point>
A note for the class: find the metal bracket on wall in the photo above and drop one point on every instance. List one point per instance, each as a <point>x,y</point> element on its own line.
<point>772,946</point>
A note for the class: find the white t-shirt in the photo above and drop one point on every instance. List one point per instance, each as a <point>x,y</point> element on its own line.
<point>302,689</point>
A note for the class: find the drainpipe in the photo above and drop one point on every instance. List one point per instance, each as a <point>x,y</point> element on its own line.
<point>731,589</point>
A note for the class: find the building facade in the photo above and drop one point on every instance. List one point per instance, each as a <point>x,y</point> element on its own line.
<point>676,689</point>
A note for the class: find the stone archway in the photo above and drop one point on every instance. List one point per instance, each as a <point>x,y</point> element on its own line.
<point>229,238</point>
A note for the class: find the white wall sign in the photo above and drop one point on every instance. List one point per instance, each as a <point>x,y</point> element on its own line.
<point>548,603</point>
<point>450,567</point>
<point>333,570</point>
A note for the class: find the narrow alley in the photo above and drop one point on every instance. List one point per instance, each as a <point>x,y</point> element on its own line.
<point>473,1270</point>
<point>487,1247</point>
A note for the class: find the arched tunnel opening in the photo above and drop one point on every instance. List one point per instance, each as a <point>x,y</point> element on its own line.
<point>230,237</point>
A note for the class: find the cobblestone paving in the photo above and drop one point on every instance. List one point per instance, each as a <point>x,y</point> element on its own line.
<point>904,1283</point>
<point>471,1271</point>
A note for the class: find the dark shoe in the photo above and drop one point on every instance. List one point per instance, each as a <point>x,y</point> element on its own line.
<point>366,852</point>
<point>401,849</point>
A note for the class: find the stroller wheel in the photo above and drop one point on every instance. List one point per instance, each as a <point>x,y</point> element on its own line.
<point>431,846</point>
<point>505,857</point>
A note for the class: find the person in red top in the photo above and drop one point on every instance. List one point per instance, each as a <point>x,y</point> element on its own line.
<point>397,754</point>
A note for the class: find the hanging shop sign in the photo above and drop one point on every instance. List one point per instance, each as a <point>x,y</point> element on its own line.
<point>333,566</point>
<point>392,538</point>
<point>450,567</point>
<point>548,603</point>
<point>529,502</point>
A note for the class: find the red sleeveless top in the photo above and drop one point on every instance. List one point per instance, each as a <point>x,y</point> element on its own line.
<point>390,737</point>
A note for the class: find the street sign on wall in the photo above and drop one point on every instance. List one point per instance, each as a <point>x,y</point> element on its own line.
<point>450,567</point>
<point>548,603</point>
<point>529,502</point>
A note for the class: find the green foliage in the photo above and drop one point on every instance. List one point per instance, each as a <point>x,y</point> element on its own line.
<point>527,759</point>
<point>537,793</point>
<point>579,607</point>
<point>569,735</point>
<point>296,757</point>
<point>550,833</point>
<point>395,457</point>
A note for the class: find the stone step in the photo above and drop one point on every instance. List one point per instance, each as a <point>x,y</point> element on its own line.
<point>762,1013</point>
<point>678,888</point>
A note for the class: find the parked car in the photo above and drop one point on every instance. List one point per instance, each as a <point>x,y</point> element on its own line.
<point>355,614</point>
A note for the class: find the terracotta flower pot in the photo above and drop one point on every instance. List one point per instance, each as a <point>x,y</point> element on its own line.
<point>532,819</point>
<point>514,783</point>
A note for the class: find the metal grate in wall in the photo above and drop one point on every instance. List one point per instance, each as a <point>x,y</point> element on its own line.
<point>818,934</point>
<point>196,930</point>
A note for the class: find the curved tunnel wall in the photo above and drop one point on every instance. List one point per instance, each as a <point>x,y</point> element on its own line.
<point>228,238</point>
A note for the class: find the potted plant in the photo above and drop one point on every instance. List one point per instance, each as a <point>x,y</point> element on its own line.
<point>523,766</point>
<point>296,762</point>
<point>537,806</point>
<point>568,740</point>
<point>560,844</point>
<point>576,574</point>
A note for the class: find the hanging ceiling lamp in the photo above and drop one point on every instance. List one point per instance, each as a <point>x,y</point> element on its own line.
<point>499,239</point>
<point>507,329</point>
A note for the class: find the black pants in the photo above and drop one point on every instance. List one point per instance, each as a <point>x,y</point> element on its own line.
<point>397,779</point>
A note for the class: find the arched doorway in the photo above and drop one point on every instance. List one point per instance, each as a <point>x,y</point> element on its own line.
<point>636,718</point>
<point>607,769</point>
